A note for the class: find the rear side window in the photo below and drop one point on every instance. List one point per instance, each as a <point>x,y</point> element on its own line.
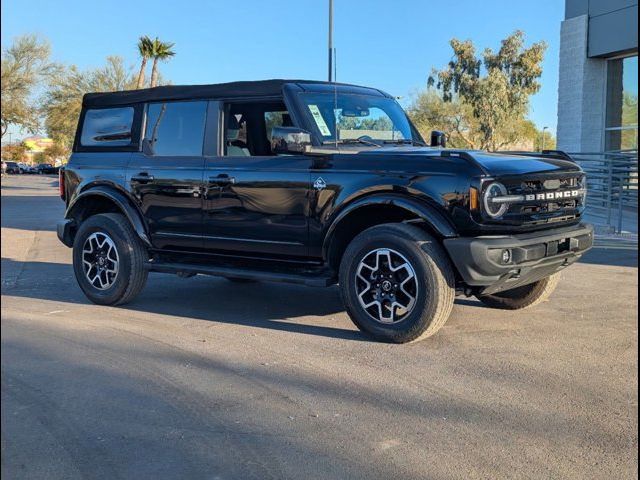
<point>107,127</point>
<point>175,128</point>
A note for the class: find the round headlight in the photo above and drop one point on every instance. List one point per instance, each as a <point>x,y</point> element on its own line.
<point>495,209</point>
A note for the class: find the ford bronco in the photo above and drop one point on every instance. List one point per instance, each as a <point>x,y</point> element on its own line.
<point>313,183</point>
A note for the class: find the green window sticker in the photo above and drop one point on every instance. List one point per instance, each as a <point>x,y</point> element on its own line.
<point>317,116</point>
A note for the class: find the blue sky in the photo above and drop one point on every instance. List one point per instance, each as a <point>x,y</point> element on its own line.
<point>391,45</point>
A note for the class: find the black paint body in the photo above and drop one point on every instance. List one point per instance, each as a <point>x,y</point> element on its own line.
<point>268,207</point>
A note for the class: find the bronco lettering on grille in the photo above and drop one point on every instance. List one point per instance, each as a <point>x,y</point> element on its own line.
<point>552,195</point>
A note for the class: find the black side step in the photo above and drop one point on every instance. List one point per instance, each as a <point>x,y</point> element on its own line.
<point>310,278</point>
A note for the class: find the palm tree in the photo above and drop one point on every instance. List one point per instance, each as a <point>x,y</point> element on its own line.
<point>145,48</point>
<point>160,51</point>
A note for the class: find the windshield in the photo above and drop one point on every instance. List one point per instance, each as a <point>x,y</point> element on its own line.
<point>357,118</point>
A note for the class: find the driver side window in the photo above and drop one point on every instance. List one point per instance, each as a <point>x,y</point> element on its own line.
<point>247,127</point>
<point>236,136</point>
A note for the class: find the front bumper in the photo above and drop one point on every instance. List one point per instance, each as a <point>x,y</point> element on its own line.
<point>532,256</point>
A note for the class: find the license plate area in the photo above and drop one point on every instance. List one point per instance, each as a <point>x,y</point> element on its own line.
<point>559,246</point>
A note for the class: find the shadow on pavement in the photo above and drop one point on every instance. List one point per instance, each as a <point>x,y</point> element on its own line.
<point>262,305</point>
<point>107,407</point>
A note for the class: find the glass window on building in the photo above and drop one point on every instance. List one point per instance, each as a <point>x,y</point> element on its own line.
<point>621,131</point>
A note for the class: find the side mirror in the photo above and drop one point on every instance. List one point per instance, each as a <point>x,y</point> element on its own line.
<point>438,139</point>
<point>289,140</point>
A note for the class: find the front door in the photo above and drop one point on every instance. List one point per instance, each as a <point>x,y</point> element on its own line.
<point>256,202</point>
<point>167,176</point>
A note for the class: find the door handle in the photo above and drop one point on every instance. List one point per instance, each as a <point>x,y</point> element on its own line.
<point>222,179</point>
<point>142,177</point>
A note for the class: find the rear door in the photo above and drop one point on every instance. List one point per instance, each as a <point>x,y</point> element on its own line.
<point>167,175</point>
<point>256,202</point>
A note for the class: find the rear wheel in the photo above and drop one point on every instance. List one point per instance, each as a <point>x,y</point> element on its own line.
<point>108,259</point>
<point>523,297</point>
<point>397,283</point>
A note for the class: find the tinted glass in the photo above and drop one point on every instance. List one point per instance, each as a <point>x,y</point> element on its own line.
<point>176,128</point>
<point>108,127</point>
<point>622,105</point>
<point>276,119</point>
<point>354,116</point>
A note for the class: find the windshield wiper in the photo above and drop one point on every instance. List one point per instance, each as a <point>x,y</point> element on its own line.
<point>351,141</point>
<point>400,141</point>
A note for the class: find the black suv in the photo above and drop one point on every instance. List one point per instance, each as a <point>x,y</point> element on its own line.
<point>44,168</point>
<point>313,183</point>
<point>10,167</point>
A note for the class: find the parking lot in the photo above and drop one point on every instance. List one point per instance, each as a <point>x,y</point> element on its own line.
<point>202,378</point>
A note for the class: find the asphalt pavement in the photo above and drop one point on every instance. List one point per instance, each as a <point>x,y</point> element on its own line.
<point>203,378</point>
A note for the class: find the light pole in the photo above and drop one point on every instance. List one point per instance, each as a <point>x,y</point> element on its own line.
<point>543,129</point>
<point>330,39</point>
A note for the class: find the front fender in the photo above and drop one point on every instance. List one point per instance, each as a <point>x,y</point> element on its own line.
<point>435,219</point>
<point>119,199</point>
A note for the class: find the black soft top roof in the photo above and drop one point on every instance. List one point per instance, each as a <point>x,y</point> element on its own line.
<point>219,90</point>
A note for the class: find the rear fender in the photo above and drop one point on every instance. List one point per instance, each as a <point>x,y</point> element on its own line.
<point>79,205</point>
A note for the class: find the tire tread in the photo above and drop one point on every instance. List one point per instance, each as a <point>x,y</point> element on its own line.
<point>137,252</point>
<point>540,292</point>
<point>433,254</point>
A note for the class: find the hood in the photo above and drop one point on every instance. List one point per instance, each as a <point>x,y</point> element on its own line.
<point>499,164</point>
<point>494,164</point>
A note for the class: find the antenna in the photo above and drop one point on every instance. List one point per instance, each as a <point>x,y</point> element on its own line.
<point>332,73</point>
<point>335,96</point>
<point>330,38</point>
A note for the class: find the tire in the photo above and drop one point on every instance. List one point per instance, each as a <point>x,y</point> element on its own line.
<point>434,286</point>
<point>130,276</point>
<point>526,296</point>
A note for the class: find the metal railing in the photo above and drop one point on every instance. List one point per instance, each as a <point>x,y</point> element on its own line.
<point>612,186</point>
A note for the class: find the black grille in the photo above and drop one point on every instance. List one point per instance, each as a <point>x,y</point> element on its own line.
<point>535,186</point>
<point>543,211</point>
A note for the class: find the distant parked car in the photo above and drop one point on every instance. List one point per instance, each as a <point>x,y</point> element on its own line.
<point>10,167</point>
<point>46,168</point>
<point>30,170</point>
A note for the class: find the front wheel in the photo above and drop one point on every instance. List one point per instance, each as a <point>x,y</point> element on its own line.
<point>108,259</point>
<point>397,283</point>
<point>522,297</point>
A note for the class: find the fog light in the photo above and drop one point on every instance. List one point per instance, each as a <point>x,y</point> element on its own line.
<point>506,256</point>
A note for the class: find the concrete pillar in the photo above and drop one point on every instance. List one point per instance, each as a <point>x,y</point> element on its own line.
<point>581,91</point>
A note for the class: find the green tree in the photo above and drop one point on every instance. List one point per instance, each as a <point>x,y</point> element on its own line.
<point>145,49</point>
<point>24,65</point>
<point>549,141</point>
<point>495,87</point>
<point>63,99</point>
<point>629,138</point>
<point>15,152</point>
<point>39,157</point>
<point>429,111</point>
<point>160,51</point>
<point>56,152</point>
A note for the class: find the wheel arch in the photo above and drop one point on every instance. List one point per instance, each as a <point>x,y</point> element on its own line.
<point>104,199</point>
<point>376,210</point>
